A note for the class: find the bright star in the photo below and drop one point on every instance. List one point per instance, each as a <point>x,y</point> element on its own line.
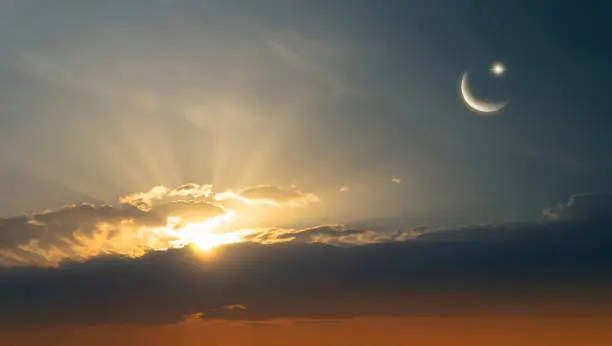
<point>498,69</point>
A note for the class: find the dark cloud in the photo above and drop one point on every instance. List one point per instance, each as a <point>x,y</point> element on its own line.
<point>521,269</point>
<point>340,235</point>
<point>590,206</point>
<point>230,312</point>
<point>325,272</point>
<point>320,233</point>
<point>48,227</point>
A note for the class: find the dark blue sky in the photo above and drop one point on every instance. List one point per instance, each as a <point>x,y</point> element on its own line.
<point>101,100</point>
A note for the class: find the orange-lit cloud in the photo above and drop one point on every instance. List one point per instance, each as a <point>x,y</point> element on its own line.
<point>186,192</point>
<point>163,218</point>
<point>153,220</point>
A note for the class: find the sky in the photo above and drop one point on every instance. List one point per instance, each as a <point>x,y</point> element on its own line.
<point>171,164</point>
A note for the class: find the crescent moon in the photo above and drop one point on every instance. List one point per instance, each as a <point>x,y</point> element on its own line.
<point>476,104</point>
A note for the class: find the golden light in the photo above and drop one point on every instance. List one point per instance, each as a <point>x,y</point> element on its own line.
<point>209,241</point>
<point>205,235</point>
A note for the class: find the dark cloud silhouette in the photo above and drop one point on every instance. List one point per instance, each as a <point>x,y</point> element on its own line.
<point>324,272</point>
<point>48,227</point>
<point>340,235</point>
<point>321,232</point>
<point>520,269</point>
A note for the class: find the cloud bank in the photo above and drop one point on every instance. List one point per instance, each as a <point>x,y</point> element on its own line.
<point>158,219</point>
<point>553,268</point>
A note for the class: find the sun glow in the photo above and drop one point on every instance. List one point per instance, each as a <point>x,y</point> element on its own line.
<point>208,241</point>
<point>205,235</point>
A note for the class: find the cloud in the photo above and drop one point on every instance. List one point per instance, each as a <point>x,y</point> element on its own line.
<point>192,190</point>
<point>163,218</point>
<point>344,188</point>
<point>336,235</point>
<point>146,200</point>
<point>153,220</point>
<point>47,226</point>
<point>194,211</point>
<point>396,180</point>
<point>339,235</point>
<point>324,272</point>
<point>588,206</point>
<point>77,232</point>
<point>530,269</point>
<point>272,195</point>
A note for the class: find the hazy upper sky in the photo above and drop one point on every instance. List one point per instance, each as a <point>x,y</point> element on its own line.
<point>102,99</point>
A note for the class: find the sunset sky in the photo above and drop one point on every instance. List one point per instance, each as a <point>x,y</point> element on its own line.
<point>296,172</point>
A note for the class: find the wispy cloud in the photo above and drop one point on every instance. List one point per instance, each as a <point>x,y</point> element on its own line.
<point>272,195</point>
<point>586,206</point>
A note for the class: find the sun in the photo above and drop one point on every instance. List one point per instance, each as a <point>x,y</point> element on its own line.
<point>208,241</point>
<point>204,235</point>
